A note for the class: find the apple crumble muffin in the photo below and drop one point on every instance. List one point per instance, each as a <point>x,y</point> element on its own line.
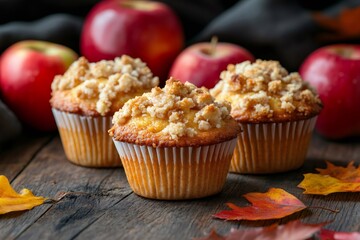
<point>175,142</point>
<point>84,100</point>
<point>277,111</point>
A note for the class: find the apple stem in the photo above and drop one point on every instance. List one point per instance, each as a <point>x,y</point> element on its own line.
<point>213,42</point>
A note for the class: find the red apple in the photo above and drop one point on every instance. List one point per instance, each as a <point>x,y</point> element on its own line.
<point>335,72</point>
<point>144,29</point>
<point>27,70</point>
<point>202,63</point>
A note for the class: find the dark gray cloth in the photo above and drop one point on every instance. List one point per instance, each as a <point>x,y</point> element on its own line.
<point>10,127</point>
<point>274,29</point>
<point>63,29</point>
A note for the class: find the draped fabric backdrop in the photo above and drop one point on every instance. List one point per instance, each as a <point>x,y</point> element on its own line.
<point>285,30</point>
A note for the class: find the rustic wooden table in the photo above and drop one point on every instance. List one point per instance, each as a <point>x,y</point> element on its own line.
<point>104,207</point>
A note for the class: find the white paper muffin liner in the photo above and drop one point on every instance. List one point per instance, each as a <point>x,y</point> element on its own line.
<point>86,140</point>
<point>272,147</point>
<point>175,173</point>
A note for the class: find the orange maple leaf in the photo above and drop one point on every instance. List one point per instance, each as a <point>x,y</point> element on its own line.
<point>344,26</point>
<point>294,230</point>
<point>350,173</point>
<point>11,201</point>
<point>274,204</point>
<point>332,179</point>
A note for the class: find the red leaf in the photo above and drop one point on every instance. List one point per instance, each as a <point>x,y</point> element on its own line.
<point>294,230</point>
<point>212,236</point>
<point>332,235</point>
<point>274,204</point>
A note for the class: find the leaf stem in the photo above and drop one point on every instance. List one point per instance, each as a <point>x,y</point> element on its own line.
<point>62,195</point>
<point>324,208</point>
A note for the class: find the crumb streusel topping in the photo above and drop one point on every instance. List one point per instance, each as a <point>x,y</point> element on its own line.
<point>103,81</point>
<point>264,91</point>
<point>180,110</point>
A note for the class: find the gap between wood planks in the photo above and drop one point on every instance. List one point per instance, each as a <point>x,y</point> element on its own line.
<point>51,156</point>
<point>96,219</point>
<point>19,235</point>
<point>47,142</point>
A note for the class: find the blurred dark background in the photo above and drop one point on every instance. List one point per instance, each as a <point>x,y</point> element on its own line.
<point>284,30</point>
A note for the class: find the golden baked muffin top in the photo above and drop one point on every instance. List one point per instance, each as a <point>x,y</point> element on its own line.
<point>264,91</point>
<point>180,114</point>
<point>101,88</point>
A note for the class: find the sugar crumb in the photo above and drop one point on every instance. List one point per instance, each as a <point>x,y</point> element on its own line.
<point>174,103</point>
<point>105,80</point>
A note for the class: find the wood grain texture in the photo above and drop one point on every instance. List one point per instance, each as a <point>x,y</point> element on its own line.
<point>20,153</point>
<point>48,174</point>
<point>188,219</point>
<point>104,207</point>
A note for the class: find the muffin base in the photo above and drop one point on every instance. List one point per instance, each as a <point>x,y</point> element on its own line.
<point>272,147</point>
<point>175,173</point>
<point>86,140</point>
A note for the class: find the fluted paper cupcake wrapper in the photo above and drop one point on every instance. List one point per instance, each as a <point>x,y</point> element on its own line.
<point>175,173</point>
<point>272,147</point>
<point>86,140</point>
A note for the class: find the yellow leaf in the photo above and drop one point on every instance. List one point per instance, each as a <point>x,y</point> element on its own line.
<point>11,201</point>
<point>325,184</point>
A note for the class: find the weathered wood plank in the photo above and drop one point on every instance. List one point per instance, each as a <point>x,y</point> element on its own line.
<point>107,208</point>
<point>139,218</point>
<point>334,151</point>
<point>50,173</point>
<point>20,153</point>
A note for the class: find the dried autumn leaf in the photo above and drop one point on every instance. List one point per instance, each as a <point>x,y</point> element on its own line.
<point>294,230</point>
<point>212,236</point>
<point>350,173</point>
<point>274,204</point>
<point>324,185</point>
<point>11,201</point>
<point>344,26</point>
<point>332,179</point>
<point>332,235</point>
